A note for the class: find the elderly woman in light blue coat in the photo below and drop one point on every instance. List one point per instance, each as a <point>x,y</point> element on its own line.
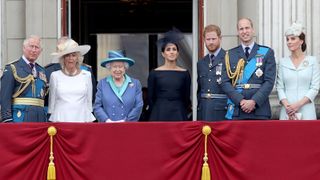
<point>119,97</point>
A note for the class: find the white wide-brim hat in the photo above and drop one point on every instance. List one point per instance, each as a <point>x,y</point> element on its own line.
<point>70,46</point>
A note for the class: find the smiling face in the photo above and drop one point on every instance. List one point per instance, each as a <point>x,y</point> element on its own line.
<point>170,52</point>
<point>117,69</point>
<point>294,43</point>
<point>245,31</point>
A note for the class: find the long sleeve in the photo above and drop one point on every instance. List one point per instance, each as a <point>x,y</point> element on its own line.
<point>98,108</point>
<point>52,95</point>
<point>262,95</point>
<point>135,112</point>
<point>280,83</point>
<point>151,89</point>
<point>6,92</point>
<point>315,81</point>
<point>89,92</point>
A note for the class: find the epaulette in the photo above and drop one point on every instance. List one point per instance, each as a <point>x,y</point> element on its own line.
<point>87,65</point>
<point>12,62</point>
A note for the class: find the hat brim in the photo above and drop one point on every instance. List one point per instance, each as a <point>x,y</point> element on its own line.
<point>83,49</point>
<point>124,59</point>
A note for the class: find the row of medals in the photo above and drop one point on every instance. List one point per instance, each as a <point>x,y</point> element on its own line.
<point>258,72</point>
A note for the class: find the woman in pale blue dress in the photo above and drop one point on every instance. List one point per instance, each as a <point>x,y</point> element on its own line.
<point>298,79</point>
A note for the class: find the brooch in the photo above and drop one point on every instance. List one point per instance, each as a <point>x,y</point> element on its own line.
<point>131,85</point>
<point>305,63</point>
<point>259,72</point>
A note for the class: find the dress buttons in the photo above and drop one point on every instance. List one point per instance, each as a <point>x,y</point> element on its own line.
<point>208,90</point>
<point>209,80</point>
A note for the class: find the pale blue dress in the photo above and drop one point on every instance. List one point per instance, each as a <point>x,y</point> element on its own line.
<point>295,83</point>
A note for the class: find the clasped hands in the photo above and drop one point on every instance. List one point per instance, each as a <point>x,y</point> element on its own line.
<point>291,110</point>
<point>247,105</point>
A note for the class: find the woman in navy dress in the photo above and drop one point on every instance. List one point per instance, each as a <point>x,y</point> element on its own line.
<point>169,84</point>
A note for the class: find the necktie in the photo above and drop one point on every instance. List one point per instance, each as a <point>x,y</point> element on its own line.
<point>32,69</point>
<point>31,66</point>
<point>247,52</point>
<point>211,60</point>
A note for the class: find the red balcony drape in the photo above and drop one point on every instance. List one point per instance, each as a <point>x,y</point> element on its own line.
<point>237,150</point>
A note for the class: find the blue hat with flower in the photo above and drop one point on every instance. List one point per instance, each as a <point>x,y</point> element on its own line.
<point>116,56</point>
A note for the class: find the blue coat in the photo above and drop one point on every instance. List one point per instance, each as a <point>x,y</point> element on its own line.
<point>259,95</point>
<point>21,112</point>
<point>108,105</point>
<point>209,80</point>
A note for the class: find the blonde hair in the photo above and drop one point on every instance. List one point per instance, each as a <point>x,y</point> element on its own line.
<point>78,63</point>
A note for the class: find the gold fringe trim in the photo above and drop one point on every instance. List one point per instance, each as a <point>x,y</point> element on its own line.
<point>24,82</point>
<point>51,175</point>
<point>237,74</point>
<point>205,175</point>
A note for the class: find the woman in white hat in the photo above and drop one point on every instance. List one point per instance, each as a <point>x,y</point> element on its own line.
<point>119,97</point>
<point>298,78</point>
<point>70,98</point>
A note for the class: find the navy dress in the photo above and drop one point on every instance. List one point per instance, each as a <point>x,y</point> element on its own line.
<point>169,95</point>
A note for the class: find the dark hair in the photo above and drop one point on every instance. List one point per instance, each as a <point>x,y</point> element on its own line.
<point>303,38</point>
<point>163,47</point>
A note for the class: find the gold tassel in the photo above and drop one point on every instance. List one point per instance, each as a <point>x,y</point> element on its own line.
<point>51,175</point>
<point>205,175</point>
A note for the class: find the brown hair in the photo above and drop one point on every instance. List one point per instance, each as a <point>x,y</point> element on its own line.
<point>210,28</point>
<point>302,36</point>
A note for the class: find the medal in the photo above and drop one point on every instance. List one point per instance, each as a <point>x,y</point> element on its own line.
<point>259,60</point>
<point>42,76</point>
<point>259,72</point>
<point>219,69</point>
<point>19,114</point>
<point>219,80</point>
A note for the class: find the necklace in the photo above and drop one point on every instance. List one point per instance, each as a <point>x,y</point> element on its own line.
<point>66,72</point>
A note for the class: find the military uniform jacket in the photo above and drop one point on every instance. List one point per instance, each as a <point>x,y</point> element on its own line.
<point>15,79</point>
<point>209,80</point>
<point>259,95</point>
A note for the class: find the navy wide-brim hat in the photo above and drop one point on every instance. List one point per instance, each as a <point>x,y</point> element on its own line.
<point>116,56</point>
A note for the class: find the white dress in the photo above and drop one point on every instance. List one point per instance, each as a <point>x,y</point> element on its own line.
<point>70,97</point>
<point>295,83</point>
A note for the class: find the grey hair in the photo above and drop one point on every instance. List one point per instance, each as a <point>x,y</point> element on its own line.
<point>26,41</point>
<point>79,62</point>
<point>126,65</point>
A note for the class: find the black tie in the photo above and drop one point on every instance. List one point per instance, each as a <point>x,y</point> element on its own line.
<point>31,66</point>
<point>247,52</point>
<point>211,58</point>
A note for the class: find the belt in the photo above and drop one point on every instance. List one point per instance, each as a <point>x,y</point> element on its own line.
<point>28,101</point>
<point>248,86</point>
<point>213,96</point>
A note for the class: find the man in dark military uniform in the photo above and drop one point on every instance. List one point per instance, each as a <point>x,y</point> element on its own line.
<point>248,76</point>
<point>22,97</point>
<point>55,66</point>
<point>212,101</point>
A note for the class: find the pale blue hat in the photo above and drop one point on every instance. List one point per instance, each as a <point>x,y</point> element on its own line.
<point>116,56</point>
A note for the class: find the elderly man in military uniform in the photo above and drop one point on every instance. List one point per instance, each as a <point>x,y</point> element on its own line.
<point>22,96</point>
<point>248,76</point>
<point>212,101</point>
